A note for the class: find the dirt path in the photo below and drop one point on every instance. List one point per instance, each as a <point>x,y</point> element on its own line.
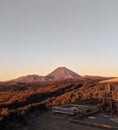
<point>48,121</point>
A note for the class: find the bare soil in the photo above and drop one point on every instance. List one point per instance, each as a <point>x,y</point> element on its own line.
<point>48,121</point>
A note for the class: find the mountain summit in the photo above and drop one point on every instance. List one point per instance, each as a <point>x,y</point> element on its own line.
<point>58,74</point>
<point>62,73</point>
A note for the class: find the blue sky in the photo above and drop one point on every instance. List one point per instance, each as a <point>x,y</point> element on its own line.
<point>36,36</point>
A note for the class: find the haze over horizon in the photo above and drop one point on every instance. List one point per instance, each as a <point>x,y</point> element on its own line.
<point>37,36</point>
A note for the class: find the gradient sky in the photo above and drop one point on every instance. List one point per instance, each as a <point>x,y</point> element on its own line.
<point>37,36</point>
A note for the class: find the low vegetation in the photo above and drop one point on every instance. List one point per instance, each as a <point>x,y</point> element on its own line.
<point>18,100</point>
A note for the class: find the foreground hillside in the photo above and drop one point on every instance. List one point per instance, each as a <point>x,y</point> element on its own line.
<point>17,100</point>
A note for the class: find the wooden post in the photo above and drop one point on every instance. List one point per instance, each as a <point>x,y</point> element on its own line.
<point>117,106</point>
<point>110,103</point>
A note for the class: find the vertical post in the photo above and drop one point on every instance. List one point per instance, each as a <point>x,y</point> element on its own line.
<point>117,106</point>
<point>110,103</point>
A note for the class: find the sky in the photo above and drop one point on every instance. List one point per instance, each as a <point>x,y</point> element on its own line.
<point>37,36</point>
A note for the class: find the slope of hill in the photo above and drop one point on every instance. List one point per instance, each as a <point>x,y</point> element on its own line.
<point>8,83</point>
<point>30,78</point>
<point>18,101</point>
<point>62,73</point>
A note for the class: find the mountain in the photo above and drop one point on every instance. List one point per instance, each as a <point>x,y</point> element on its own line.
<point>59,74</point>
<point>62,73</point>
<point>30,78</point>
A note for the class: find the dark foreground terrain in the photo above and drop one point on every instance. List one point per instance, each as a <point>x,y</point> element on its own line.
<point>48,121</point>
<point>18,101</point>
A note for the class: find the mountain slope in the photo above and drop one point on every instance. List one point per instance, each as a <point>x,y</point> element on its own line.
<point>62,73</point>
<point>30,78</point>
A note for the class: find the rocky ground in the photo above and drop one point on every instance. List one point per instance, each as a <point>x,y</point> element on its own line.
<point>48,121</point>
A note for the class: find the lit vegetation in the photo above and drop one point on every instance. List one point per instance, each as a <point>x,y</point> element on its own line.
<point>20,99</point>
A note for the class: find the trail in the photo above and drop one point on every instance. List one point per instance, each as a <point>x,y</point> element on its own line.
<point>48,121</point>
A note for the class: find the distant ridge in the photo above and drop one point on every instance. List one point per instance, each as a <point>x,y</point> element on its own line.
<point>30,78</point>
<point>95,77</point>
<point>62,73</point>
